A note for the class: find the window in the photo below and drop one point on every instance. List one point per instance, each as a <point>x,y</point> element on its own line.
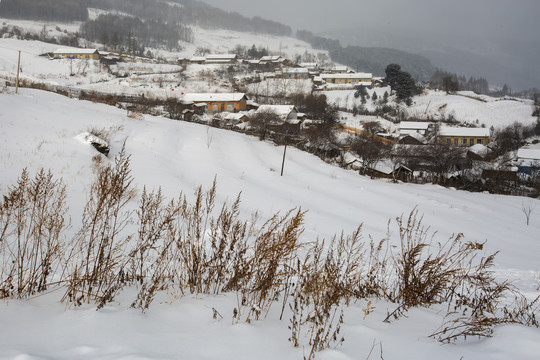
<point>455,141</point>
<point>463,141</point>
<point>448,141</point>
<point>480,141</point>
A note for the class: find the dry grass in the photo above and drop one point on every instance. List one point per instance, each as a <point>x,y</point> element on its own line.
<point>33,216</point>
<point>97,259</point>
<point>200,246</point>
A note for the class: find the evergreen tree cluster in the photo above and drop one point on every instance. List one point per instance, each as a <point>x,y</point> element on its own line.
<point>401,82</point>
<point>451,82</point>
<point>132,34</point>
<point>49,10</point>
<point>168,11</point>
<point>256,53</point>
<point>192,12</point>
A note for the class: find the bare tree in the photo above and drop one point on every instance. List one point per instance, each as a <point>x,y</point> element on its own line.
<point>370,150</point>
<point>527,208</point>
<point>261,122</point>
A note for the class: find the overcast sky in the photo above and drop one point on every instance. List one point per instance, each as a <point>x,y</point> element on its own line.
<point>505,18</point>
<point>497,39</point>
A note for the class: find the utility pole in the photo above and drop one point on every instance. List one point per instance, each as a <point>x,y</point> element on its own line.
<point>283,162</point>
<point>18,69</point>
<point>284,153</point>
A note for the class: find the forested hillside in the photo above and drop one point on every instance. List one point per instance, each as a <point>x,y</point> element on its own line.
<point>50,10</point>
<point>175,11</point>
<point>372,59</point>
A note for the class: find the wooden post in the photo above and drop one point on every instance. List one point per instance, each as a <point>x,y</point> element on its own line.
<point>18,68</point>
<point>283,162</point>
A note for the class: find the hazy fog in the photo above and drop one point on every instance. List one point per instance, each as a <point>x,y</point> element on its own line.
<point>498,39</point>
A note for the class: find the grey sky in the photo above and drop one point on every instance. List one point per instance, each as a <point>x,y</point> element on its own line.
<point>483,17</point>
<point>503,32</point>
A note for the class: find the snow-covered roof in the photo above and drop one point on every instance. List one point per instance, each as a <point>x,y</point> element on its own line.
<point>479,149</point>
<point>418,135</point>
<point>197,59</point>
<point>271,58</point>
<point>464,132</point>
<point>403,132</point>
<point>213,97</point>
<point>413,125</point>
<point>283,111</point>
<point>340,68</point>
<point>529,154</point>
<point>75,51</point>
<point>348,76</point>
<point>309,65</point>
<point>236,116</point>
<point>295,71</point>
<point>221,57</point>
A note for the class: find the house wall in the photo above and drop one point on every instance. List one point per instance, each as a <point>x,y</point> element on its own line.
<point>214,106</point>
<point>333,80</point>
<point>79,56</point>
<point>464,140</point>
<point>295,76</point>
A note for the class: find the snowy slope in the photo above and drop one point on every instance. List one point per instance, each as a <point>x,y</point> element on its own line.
<point>471,108</point>
<point>465,107</point>
<point>39,129</point>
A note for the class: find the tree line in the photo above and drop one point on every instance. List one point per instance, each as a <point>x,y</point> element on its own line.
<point>49,10</point>
<point>452,82</point>
<point>174,11</point>
<point>193,13</point>
<point>133,34</point>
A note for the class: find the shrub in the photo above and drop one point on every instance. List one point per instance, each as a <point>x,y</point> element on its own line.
<point>32,221</point>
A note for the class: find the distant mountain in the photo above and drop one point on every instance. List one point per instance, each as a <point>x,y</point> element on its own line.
<point>190,12</point>
<point>187,12</point>
<point>495,59</point>
<point>371,59</point>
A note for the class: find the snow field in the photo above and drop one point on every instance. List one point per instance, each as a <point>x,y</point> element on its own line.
<point>39,129</point>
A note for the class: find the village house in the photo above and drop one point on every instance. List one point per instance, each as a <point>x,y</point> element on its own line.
<point>414,127</point>
<point>268,63</point>
<point>363,79</point>
<point>216,102</point>
<point>288,118</point>
<point>221,59</point>
<point>233,119</point>
<point>295,73</point>
<point>86,54</point>
<point>339,70</point>
<point>462,136</point>
<point>287,113</point>
<point>528,161</point>
<point>311,66</point>
<point>200,60</point>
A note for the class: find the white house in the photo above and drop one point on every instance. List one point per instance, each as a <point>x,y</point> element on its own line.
<point>287,113</point>
<point>221,59</point>
<point>295,73</point>
<point>413,127</point>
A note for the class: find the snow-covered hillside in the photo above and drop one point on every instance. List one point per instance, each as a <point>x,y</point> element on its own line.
<point>39,129</point>
<point>464,107</point>
<point>218,41</point>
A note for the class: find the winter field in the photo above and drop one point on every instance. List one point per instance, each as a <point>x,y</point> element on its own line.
<point>40,129</point>
<point>465,107</point>
<point>44,130</point>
